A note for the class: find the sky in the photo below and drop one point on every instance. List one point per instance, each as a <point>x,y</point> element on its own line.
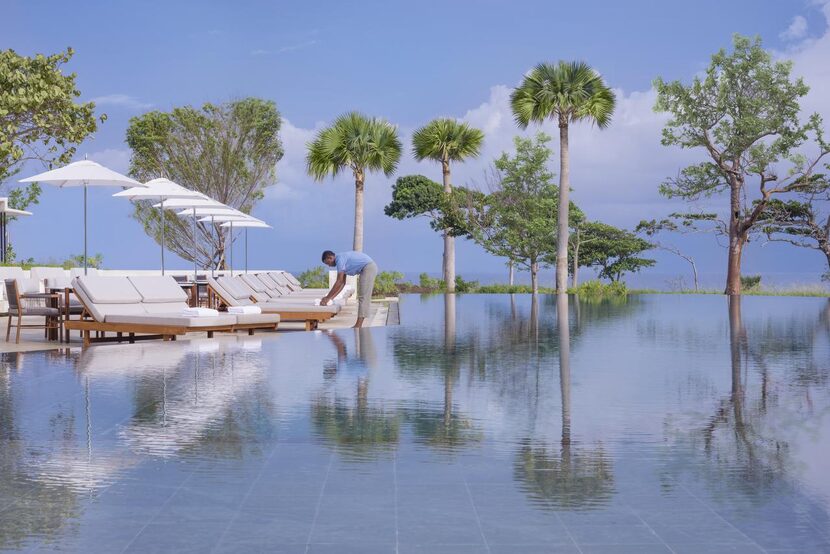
<point>408,62</point>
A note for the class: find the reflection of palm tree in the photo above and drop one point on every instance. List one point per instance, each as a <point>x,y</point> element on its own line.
<point>364,430</point>
<point>576,478</point>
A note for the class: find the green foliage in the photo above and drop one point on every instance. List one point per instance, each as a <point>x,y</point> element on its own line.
<point>564,92</point>
<point>517,219</point>
<point>356,143</point>
<point>430,283</point>
<point>314,278</point>
<point>597,289</point>
<point>416,195</point>
<point>39,116</point>
<point>615,251</point>
<point>750,282</point>
<point>386,283</point>
<point>446,140</point>
<point>77,260</point>
<point>462,286</point>
<point>227,151</point>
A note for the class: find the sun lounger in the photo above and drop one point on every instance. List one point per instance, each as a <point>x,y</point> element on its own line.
<point>150,306</point>
<point>226,292</point>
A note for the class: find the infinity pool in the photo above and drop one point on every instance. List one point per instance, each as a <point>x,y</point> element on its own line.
<point>493,424</point>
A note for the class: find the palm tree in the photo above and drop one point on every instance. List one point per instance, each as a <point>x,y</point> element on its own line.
<point>357,143</point>
<point>566,93</point>
<point>446,140</point>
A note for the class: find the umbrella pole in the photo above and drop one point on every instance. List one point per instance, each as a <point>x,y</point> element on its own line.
<point>3,236</point>
<point>85,262</point>
<point>231,239</point>
<point>161,213</point>
<point>246,250</point>
<point>213,226</point>
<point>195,267</point>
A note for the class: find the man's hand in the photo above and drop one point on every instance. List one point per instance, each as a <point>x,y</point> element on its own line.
<point>324,301</point>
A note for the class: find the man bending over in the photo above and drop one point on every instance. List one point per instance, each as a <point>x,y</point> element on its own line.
<point>352,263</point>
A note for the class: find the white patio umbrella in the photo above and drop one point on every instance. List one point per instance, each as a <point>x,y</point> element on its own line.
<point>213,214</point>
<point>85,173</point>
<point>193,204</point>
<point>253,222</point>
<point>5,212</point>
<point>230,217</point>
<point>160,189</point>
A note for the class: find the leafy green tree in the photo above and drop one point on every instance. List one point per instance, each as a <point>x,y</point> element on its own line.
<point>314,278</point>
<point>39,118</point>
<point>614,251</point>
<point>565,93</point>
<point>516,219</point>
<point>228,151</point>
<point>446,140</point>
<point>356,143</point>
<point>802,222</point>
<point>744,114</point>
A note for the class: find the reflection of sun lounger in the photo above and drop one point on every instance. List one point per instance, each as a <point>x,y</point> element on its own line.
<point>152,307</point>
<point>226,291</point>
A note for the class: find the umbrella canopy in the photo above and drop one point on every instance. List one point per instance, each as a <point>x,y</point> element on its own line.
<point>160,189</point>
<point>211,210</point>
<point>84,173</point>
<point>5,212</point>
<point>252,222</point>
<point>213,215</point>
<point>194,205</point>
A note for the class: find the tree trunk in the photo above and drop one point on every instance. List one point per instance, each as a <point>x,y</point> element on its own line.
<point>534,277</point>
<point>510,273</point>
<point>357,243</point>
<point>737,238</point>
<point>564,365</point>
<point>564,191</point>
<point>449,240</point>
<point>575,263</point>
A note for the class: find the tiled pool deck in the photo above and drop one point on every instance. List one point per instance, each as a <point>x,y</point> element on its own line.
<point>483,424</point>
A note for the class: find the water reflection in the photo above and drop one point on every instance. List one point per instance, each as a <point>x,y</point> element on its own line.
<point>701,405</point>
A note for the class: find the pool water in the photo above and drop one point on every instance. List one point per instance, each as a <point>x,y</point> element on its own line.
<point>493,424</point>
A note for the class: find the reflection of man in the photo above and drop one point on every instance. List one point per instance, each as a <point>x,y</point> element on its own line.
<point>362,359</point>
<point>352,263</point>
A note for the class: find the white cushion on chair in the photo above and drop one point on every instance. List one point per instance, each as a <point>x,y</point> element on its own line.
<point>109,290</point>
<point>158,288</point>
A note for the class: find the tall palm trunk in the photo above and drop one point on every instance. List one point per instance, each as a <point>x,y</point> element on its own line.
<point>575,262</point>
<point>357,243</point>
<point>449,240</point>
<point>564,191</point>
<point>564,366</point>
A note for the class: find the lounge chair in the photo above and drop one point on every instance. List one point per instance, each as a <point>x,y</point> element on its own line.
<point>20,307</point>
<point>152,307</point>
<point>227,292</point>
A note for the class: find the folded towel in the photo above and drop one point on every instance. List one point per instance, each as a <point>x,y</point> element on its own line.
<point>337,301</point>
<point>240,310</point>
<point>199,312</point>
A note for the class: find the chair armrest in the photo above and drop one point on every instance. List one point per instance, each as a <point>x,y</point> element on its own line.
<point>40,295</point>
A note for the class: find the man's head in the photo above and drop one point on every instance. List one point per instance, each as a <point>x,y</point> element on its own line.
<point>328,258</point>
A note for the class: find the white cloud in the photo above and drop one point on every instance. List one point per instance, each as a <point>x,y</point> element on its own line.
<point>797,29</point>
<point>298,46</point>
<point>122,101</point>
<point>260,52</point>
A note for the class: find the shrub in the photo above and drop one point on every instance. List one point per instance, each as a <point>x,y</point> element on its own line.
<point>465,286</point>
<point>430,283</point>
<point>597,289</point>
<point>750,282</point>
<point>315,278</point>
<point>386,283</point>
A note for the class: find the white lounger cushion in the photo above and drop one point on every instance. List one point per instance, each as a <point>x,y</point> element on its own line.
<point>227,297</point>
<point>159,288</point>
<point>288,307</point>
<point>109,290</point>
<point>235,289</point>
<point>249,319</point>
<point>254,283</point>
<point>172,320</point>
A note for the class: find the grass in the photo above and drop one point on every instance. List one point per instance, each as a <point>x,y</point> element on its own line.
<point>799,290</point>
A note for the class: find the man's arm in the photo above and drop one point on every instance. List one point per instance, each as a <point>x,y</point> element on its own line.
<point>339,283</point>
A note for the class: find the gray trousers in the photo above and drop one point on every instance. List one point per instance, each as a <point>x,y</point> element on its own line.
<point>365,286</point>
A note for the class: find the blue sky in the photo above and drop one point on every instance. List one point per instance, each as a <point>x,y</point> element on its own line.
<point>407,62</point>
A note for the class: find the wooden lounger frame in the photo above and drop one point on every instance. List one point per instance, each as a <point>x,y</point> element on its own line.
<point>137,331</point>
<point>311,319</point>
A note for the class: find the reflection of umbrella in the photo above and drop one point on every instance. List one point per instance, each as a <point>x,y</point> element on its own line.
<point>246,224</point>
<point>159,189</point>
<point>194,204</point>
<point>85,173</point>
<point>5,211</point>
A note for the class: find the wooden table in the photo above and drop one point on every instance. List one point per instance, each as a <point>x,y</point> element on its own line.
<point>192,289</point>
<point>65,291</point>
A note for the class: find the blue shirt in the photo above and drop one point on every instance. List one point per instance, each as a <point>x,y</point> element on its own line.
<point>351,262</point>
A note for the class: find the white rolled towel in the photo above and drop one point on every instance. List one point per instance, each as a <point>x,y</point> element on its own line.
<point>338,301</point>
<point>244,310</point>
<point>199,312</point>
